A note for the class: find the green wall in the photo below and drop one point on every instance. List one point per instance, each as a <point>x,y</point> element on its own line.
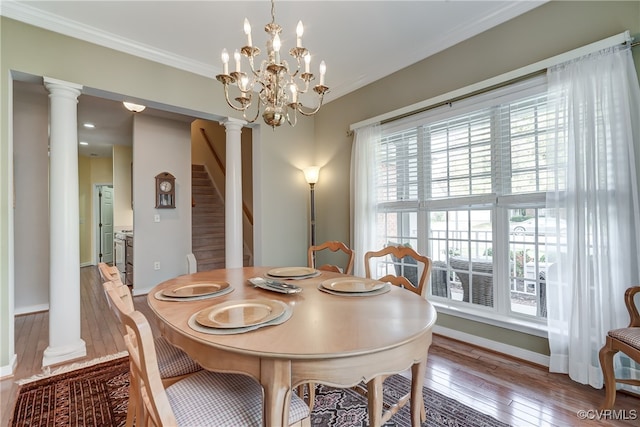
<point>28,52</point>
<point>551,29</point>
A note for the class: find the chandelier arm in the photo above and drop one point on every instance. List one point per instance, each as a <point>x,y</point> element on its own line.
<point>295,117</point>
<point>256,74</point>
<point>244,113</point>
<point>309,112</point>
<point>226,96</point>
<point>306,87</point>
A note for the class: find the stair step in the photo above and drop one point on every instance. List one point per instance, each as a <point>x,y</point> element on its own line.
<point>207,210</point>
<point>219,263</point>
<point>208,222</point>
<point>201,182</point>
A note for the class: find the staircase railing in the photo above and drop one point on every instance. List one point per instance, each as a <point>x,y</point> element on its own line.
<point>245,208</point>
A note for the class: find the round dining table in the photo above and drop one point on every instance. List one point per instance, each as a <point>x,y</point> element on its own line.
<point>329,338</point>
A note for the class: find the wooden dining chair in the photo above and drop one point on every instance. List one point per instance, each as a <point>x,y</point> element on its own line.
<point>108,273</point>
<point>173,363</point>
<point>625,340</point>
<point>203,399</point>
<point>404,260</point>
<point>333,246</point>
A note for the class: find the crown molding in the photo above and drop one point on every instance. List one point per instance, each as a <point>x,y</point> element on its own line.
<point>21,11</point>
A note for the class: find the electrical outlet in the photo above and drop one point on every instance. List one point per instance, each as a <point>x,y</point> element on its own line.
<point>156,265</point>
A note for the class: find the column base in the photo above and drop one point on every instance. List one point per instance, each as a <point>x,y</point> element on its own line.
<point>9,369</point>
<point>56,355</point>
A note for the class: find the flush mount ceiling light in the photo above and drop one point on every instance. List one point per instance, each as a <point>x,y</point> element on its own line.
<point>136,108</point>
<point>278,85</point>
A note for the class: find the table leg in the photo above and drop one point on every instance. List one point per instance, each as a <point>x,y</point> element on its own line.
<point>374,397</point>
<point>275,377</point>
<point>418,413</point>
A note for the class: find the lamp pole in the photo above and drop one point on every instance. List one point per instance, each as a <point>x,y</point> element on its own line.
<point>313,214</point>
<point>311,174</point>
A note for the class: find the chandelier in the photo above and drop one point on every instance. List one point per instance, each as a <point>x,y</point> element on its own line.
<point>279,86</point>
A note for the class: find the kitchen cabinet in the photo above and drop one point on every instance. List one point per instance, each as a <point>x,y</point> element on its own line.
<point>129,262</point>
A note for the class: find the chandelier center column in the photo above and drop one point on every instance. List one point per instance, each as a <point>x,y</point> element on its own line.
<point>65,342</point>
<point>233,194</point>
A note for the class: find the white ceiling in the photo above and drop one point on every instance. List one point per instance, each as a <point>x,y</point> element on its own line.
<point>360,41</point>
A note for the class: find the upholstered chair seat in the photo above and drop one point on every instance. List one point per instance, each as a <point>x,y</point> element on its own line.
<point>630,336</point>
<point>213,399</point>
<point>624,340</point>
<point>173,362</point>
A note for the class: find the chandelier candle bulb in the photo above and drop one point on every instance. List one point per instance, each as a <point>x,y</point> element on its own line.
<point>236,56</point>
<point>307,61</point>
<point>276,47</point>
<point>247,31</point>
<point>225,61</point>
<point>299,32</point>
<point>323,70</point>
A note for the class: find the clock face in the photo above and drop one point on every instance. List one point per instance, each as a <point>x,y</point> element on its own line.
<point>165,186</point>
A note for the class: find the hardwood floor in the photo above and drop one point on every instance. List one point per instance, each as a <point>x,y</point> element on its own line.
<point>513,391</point>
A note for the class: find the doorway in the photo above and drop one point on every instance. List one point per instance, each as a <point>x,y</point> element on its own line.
<point>104,223</point>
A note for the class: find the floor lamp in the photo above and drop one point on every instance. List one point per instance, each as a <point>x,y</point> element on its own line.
<point>311,174</point>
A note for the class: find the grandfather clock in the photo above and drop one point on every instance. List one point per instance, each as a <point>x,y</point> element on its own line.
<point>165,191</point>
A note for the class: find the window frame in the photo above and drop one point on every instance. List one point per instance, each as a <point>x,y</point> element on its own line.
<point>499,205</point>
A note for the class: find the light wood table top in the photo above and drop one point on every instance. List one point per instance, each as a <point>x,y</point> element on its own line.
<point>330,339</point>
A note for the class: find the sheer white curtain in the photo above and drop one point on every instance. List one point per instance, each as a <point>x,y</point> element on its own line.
<point>596,100</point>
<point>363,185</point>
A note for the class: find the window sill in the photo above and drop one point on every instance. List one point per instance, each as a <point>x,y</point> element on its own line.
<point>491,318</point>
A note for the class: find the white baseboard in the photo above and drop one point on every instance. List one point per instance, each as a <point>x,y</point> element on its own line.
<point>31,309</point>
<point>510,350</point>
<point>86,264</point>
<point>10,368</point>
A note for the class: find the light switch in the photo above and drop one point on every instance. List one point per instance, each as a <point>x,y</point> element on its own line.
<point>156,218</point>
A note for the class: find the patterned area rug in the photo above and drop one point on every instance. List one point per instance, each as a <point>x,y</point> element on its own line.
<point>97,396</point>
<point>348,407</point>
<point>89,397</point>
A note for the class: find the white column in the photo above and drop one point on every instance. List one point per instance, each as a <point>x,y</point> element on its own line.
<point>65,342</point>
<point>233,194</point>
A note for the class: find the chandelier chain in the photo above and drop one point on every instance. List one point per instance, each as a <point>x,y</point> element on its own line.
<point>273,11</point>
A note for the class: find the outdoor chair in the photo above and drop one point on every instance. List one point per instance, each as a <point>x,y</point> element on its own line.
<point>478,290</point>
<point>333,246</point>
<point>625,340</point>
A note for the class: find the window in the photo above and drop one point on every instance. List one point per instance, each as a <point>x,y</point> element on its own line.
<point>466,184</point>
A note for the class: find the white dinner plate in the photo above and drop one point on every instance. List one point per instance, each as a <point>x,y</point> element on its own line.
<point>352,285</point>
<point>240,313</point>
